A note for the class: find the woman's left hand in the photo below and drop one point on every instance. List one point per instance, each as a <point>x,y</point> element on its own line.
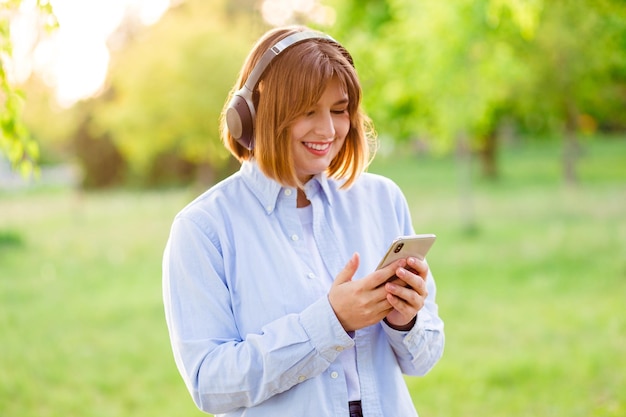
<point>407,293</point>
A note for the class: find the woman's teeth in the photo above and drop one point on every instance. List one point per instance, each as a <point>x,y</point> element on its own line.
<point>317,146</point>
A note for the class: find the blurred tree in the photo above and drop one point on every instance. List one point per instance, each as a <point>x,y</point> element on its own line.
<point>577,73</point>
<point>442,70</point>
<point>453,71</point>
<point>50,125</point>
<point>15,141</point>
<point>101,162</point>
<point>168,86</point>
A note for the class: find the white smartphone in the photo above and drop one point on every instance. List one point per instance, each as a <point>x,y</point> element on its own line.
<point>405,246</point>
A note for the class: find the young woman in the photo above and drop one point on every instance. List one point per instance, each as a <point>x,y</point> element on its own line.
<point>272,300</point>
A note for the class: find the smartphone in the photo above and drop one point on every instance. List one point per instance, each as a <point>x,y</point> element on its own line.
<point>404,246</point>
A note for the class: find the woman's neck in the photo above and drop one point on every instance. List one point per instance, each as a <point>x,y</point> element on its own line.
<point>302,201</point>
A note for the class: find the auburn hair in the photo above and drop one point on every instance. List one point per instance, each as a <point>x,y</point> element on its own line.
<point>295,81</point>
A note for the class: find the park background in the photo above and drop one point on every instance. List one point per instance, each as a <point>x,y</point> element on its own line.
<point>503,121</point>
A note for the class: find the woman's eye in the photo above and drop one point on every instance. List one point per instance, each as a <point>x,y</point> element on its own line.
<point>342,111</point>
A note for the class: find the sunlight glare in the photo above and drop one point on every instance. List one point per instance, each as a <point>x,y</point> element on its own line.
<point>150,11</point>
<point>74,59</point>
<point>303,6</point>
<point>75,67</point>
<point>277,12</point>
<point>282,12</point>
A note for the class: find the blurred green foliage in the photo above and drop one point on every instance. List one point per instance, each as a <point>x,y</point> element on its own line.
<point>464,68</point>
<point>16,142</point>
<point>459,75</point>
<point>169,85</point>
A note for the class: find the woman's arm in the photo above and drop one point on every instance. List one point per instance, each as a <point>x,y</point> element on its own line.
<point>225,370</point>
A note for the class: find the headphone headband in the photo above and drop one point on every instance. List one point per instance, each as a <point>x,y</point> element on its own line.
<point>275,50</point>
<point>240,114</point>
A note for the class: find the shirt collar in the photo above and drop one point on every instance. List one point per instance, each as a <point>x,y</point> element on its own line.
<point>267,190</point>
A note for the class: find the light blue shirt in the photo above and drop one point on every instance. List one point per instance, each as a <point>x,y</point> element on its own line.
<point>252,330</point>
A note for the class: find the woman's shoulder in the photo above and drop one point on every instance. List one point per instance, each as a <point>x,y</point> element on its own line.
<point>377,179</point>
<point>371,182</point>
<point>218,198</point>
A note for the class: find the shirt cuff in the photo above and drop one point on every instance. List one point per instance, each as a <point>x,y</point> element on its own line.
<point>408,337</point>
<point>326,333</point>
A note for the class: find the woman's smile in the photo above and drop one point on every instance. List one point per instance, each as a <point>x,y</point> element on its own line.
<point>318,148</point>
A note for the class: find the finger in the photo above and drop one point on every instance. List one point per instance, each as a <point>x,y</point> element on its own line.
<point>402,307</point>
<point>408,278</point>
<point>380,276</point>
<point>420,267</point>
<point>397,281</point>
<point>405,301</point>
<point>409,295</point>
<point>348,271</point>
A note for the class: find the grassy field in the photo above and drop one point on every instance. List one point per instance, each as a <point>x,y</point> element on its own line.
<point>533,296</point>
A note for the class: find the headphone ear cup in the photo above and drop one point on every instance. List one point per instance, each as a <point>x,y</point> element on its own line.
<point>240,119</point>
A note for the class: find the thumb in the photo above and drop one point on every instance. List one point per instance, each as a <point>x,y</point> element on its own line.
<point>348,271</point>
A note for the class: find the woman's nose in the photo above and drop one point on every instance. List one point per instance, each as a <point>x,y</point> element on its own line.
<point>325,126</point>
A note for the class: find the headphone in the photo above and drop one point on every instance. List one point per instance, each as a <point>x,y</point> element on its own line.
<point>240,114</point>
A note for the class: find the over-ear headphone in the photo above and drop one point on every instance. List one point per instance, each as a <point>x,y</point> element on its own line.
<point>240,113</point>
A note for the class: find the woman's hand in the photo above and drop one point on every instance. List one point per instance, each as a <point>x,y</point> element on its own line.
<point>407,293</point>
<point>364,302</point>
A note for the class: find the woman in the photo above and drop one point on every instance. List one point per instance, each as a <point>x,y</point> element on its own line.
<point>272,300</point>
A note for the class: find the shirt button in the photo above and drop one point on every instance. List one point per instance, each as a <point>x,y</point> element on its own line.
<point>294,237</point>
<point>287,192</point>
<point>339,348</point>
<point>268,209</point>
<point>311,275</point>
<point>334,375</point>
<point>301,378</point>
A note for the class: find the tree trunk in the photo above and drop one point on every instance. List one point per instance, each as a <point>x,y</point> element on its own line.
<point>488,156</point>
<point>464,166</point>
<point>571,146</point>
<point>571,153</point>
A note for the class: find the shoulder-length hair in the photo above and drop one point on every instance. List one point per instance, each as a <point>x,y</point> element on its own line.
<point>294,82</point>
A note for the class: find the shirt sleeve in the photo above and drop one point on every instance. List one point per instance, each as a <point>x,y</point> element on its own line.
<point>419,349</point>
<point>222,369</point>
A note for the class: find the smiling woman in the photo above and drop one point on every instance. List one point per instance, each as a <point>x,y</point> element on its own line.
<point>272,297</point>
<point>74,59</point>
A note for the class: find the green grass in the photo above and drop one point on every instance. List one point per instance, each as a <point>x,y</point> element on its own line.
<point>533,296</point>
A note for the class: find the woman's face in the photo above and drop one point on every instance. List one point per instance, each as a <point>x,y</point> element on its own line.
<point>320,132</point>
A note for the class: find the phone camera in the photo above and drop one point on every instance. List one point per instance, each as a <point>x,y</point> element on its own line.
<point>398,248</point>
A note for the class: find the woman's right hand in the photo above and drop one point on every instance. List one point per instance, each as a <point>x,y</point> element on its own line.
<point>361,303</point>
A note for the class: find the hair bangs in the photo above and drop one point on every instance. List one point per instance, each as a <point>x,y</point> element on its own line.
<point>304,87</point>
